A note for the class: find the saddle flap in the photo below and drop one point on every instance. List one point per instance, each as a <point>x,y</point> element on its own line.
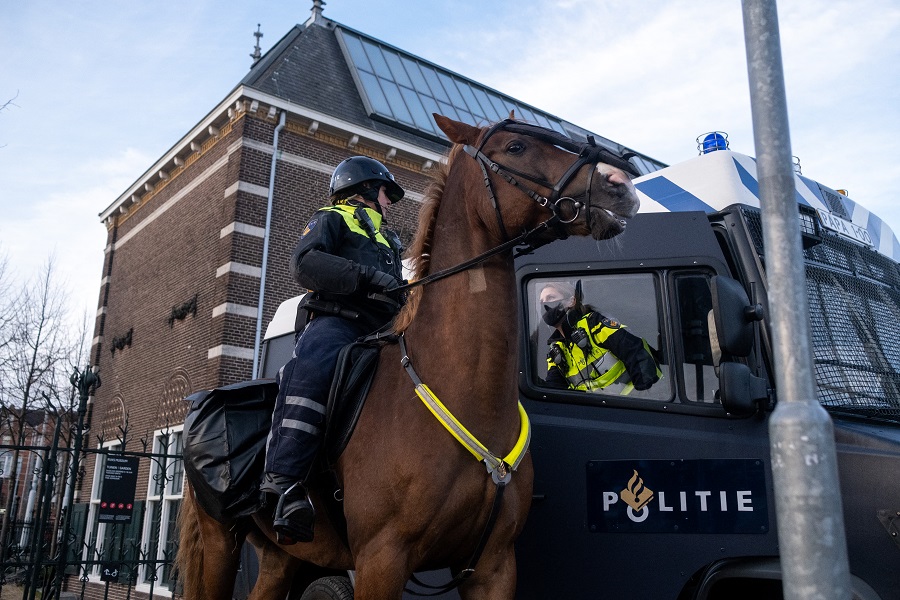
<point>352,379</point>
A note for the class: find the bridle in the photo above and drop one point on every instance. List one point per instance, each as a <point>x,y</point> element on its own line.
<point>587,153</point>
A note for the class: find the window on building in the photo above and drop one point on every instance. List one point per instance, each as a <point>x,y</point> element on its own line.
<point>6,457</point>
<point>164,493</point>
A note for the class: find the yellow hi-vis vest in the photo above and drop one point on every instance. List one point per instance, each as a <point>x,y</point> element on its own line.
<point>348,213</point>
<point>595,369</point>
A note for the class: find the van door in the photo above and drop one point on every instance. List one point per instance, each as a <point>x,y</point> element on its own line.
<point>637,492</point>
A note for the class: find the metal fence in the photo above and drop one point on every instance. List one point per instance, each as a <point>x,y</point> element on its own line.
<point>52,547</point>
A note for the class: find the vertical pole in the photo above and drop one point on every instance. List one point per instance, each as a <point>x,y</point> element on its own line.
<point>48,475</point>
<point>804,461</point>
<point>85,382</point>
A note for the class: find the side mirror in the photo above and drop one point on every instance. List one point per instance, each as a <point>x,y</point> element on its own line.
<point>734,316</point>
<point>740,390</point>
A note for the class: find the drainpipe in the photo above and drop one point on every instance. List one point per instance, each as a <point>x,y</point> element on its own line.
<point>265,257</point>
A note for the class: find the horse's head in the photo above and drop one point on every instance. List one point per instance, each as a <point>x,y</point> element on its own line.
<point>533,174</point>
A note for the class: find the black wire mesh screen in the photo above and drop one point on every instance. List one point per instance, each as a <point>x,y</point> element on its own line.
<point>854,304</point>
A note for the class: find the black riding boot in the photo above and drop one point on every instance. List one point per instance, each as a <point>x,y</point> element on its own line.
<point>294,514</point>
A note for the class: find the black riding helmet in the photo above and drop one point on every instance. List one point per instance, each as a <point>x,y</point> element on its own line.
<point>349,176</point>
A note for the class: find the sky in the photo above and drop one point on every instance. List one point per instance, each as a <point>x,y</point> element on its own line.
<point>99,91</point>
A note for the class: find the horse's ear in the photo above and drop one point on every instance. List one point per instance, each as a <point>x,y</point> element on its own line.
<point>458,133</point>
<point>512,114</point>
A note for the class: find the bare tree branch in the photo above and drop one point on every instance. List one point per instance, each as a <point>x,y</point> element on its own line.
<point>10,102</point>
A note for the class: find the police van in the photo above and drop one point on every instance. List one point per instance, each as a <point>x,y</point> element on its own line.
<point>667,492</point>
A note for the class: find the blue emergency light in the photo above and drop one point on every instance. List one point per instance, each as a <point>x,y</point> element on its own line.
<point>712,141</point>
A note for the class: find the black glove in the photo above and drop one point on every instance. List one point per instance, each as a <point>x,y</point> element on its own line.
<point>372,279</point>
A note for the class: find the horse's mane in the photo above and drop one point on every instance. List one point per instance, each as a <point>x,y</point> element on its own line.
<point>419,252</point>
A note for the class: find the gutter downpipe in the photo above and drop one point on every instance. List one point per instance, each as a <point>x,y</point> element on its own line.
<point>265,257</point>
<point>811,538</point>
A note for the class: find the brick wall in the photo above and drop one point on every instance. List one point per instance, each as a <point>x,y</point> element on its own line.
<point>198,242</point>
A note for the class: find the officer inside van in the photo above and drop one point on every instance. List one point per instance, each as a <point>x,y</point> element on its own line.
<point>589,351</point>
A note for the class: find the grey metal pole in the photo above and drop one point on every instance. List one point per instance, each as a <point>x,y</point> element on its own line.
<point>811,537</point>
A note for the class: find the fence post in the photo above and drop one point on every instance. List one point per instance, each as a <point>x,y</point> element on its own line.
<point>810,519</point>
<point>37,544</point>
<point>85,382</point>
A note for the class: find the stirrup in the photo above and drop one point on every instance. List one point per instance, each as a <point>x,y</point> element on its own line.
<point>297,525</point>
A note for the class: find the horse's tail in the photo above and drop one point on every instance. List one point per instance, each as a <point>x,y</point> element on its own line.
<point>189,560</point>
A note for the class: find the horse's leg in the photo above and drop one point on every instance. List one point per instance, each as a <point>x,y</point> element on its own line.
<point>381,569</point>
<point>208,553</point>
<point>494,578</point>
<point>276,570</point>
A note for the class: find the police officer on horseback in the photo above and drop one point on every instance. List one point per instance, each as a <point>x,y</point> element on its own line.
<point>349,264</point>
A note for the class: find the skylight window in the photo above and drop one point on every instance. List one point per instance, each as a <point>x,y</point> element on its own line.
<point>403,89</point>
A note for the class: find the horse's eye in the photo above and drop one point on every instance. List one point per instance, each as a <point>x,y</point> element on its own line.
<point>515,147</point>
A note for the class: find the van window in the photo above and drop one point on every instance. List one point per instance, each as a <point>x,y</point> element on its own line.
<point>693,339</point>
<point>629,299</point>
<point>276,352</point>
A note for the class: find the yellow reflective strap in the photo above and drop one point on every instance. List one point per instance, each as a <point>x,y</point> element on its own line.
<point>447,419</point>
<point>469,442</point>
<point>518,452</point>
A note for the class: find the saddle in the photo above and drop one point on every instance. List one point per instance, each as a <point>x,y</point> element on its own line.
<point>227,428</point>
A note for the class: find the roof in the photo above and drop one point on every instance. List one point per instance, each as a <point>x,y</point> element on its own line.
<point>716,180</point>
<point>342,72</point>
<point>307,67</point>
<point>315,70</point>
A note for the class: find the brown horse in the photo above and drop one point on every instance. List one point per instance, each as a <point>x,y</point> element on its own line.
<point>413,496</point>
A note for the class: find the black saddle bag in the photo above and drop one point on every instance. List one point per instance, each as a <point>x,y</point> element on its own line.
<point>225,436</point>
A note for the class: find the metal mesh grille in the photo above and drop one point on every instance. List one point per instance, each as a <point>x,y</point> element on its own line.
<point>854,303</point>
<point>834,203</point>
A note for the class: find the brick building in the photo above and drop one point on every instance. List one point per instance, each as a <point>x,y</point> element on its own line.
<point>179,307</point>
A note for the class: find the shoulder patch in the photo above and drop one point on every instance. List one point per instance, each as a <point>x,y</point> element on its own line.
<point>309,227</point>
<point>612,324</point>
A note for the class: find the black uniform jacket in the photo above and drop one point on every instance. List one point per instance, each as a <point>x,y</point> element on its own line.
<point>332,255</point>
